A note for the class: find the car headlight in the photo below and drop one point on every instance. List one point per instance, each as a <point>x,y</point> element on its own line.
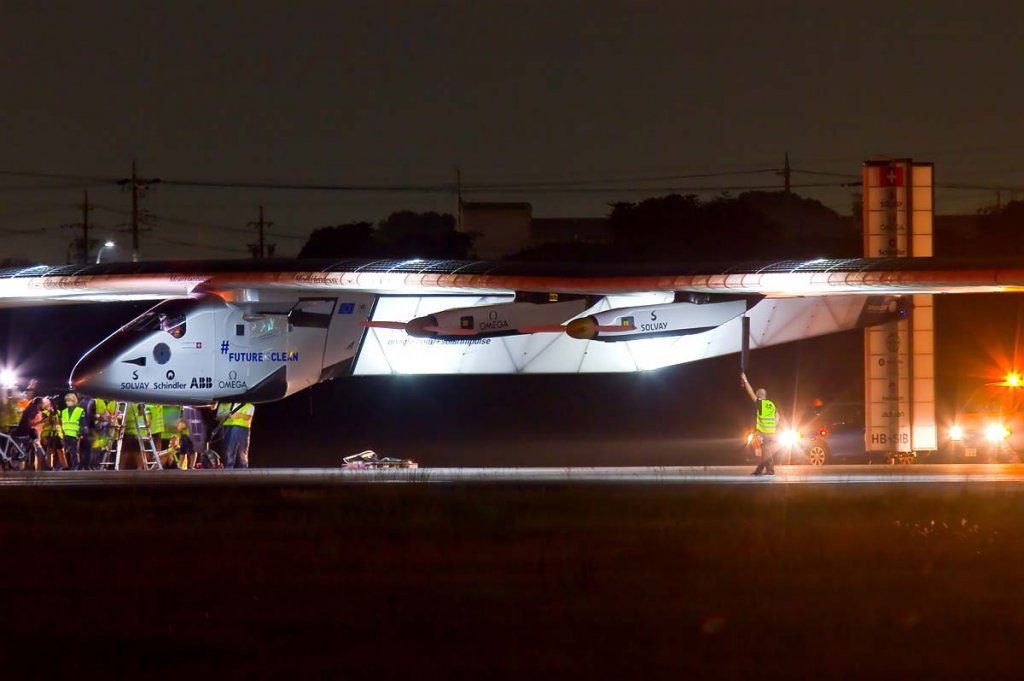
<point>789,437</point>
<point>996,432</point>
<point>956,433</point>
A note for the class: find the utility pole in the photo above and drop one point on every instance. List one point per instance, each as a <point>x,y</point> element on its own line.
<point>83,242</point>
<point>458,196</point>
<point>785,173</point>
<point>138,188</point>
<point>261,249</point>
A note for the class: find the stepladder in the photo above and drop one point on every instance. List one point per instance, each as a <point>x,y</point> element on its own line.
<point>128,415</point>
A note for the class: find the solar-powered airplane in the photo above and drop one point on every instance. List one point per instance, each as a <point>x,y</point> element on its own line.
<point>258,331</point>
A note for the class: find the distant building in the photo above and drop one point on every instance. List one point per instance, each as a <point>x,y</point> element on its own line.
<point>502,229</point>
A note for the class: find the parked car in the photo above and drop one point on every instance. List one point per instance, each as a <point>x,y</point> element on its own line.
<point>825,434</point>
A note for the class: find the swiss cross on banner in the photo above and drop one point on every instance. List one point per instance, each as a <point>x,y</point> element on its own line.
<point>892,176</point>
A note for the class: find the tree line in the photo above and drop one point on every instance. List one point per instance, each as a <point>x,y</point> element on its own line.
<point>756,225</point>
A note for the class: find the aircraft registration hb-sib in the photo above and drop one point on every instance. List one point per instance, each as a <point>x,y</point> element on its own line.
<point>257,331</point>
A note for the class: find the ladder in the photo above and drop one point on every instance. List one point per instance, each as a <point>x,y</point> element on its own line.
<point>111,459</point>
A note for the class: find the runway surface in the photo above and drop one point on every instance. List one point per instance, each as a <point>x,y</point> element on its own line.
<point>697,572</point>
<point>672,475</point>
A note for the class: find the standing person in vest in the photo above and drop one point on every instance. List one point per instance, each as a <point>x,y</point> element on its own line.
<point>236,421</point>
<point>765,425</point>
<point>85,437</point>
<point>10,411</point>
<point>32,419</point>
<point>53,437</point>
<point>104,427</point>
<point>72,417</point>
<point>155,419</point>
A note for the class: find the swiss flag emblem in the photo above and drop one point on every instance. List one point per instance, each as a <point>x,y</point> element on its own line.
<point>891,176</point>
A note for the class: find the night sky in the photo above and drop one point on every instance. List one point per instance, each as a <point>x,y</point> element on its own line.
<point>400,93</point>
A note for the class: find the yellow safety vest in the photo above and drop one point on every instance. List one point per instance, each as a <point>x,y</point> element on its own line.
<point>155,414</point>
<point>104,407</point>
<point>50,427</point>
<point>71,421</point>
<point>242,416</point>
<point>171,416</point>
<point>766,417</point>
<point>130,427</point>
<point>11,413</point>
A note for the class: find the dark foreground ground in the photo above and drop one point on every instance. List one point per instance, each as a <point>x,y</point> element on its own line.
<point>498,580</point>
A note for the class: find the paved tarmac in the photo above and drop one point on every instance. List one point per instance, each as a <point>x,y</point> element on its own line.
<point>696,572</point>
<point>667,475</point>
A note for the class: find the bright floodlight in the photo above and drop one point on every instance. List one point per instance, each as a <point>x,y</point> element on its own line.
<point>956,433</point>
<point>1013,380</point>
<point>996,432</point>
<point>8,379</point>
<point>108,244</point>
<point>789,437</point>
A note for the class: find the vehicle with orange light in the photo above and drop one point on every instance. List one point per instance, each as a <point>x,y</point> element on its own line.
<point>989,427</point>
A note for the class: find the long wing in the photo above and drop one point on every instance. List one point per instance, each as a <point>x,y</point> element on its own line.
<point>157,280</point>
<point>260,330</point>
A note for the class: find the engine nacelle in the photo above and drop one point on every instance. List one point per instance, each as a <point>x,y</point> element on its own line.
<point>653,321</point>
<point>500,319</point>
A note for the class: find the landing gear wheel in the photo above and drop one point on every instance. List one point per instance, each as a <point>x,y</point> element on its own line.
<point>817,455</point>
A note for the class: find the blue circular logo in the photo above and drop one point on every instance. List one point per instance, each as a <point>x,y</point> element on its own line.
<point>162,353</point>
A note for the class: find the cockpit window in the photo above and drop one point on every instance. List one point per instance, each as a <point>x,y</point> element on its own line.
<point>173,324</point>
<point>154,320</point>
<point>267,325</point>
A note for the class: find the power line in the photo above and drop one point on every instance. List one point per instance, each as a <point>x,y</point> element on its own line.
<point>46,187</point>
<point>670,189</point>
<point>60,176</point>
<point>382,188</point>
<point>580,183</point>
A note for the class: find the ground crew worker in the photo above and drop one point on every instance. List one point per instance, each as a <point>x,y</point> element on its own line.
<point>236,422</point>
<point>27,395</point>
<point>104,421</point>
<point>52,437</point>
<point>85,436</point>
<point>765,425</point>
<point>155,416</point>
<point>72,417</point>
<point>131,428</point>
<point>30,427</point>
<point>9,411</point>
<point>181,452</point>
<point>171,415</point>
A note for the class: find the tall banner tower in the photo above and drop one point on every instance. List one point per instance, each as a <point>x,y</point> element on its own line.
<point>899,370</point>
